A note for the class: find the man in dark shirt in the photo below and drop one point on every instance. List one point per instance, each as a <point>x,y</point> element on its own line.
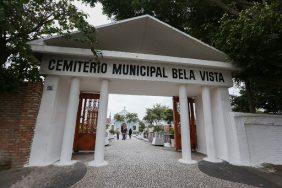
<point>130,133</point>
<point>123,131</point>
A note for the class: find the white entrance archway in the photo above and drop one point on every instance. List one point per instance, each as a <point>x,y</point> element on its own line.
<point>141,56</point>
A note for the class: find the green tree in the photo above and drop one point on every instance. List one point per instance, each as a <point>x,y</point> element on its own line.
<point>158,128</point>
<point>128,117</point>
<point>168,115</point>
<point>141,126</point>
<point>131,117</point>
<point>154,114</point>
<point>158,113</point>
<point>119,118</point>
<point>253,40</point>
<point>267,99</point>
<point>149,117</point>
<point>25,20</point>
<point>200,18</point>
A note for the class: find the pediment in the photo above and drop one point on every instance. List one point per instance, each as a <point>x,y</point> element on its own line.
<point>146,35</point>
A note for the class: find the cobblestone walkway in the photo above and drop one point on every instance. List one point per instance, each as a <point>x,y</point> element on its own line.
<point>136,163</point>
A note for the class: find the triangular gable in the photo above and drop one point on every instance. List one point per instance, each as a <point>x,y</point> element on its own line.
<point>147,35</point>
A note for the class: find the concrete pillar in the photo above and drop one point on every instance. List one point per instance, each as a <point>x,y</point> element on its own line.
<point>185,132</point>
<point>232,141</point>
<point>200,127</point>
<point>210,141</point>
<point>100,134</point>
<point>68,138</point>
<point>219,113</point>
<point>41,140</point>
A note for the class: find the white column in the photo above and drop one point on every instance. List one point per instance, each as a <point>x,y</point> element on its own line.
<point>210,141</point>
<point>219,113</point>
<point>185,132</point>
<point>39,155</point>
<point>200,126</point>
<point>100,134</point>
<point>68,138</point>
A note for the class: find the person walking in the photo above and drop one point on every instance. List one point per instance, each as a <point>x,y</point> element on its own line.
<point>130,133</point>
<point>121,129</point>
<point>124,131</point>
<point>117,132</point>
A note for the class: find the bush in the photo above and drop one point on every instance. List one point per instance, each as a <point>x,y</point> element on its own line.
<point>171,133</point>
<point>157,128</point>
<point>112,131</point>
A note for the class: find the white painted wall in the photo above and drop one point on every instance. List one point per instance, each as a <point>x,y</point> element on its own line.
<point>48,133</point>
<point>241,138</point>
<point>259,138</point>
<point>44,119</point>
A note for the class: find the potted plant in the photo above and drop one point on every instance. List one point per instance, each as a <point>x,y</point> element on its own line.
<point>171,134</point>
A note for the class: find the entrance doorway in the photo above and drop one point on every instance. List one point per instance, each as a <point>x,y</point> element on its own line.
<point>86,122</point>
<point>120,110</point>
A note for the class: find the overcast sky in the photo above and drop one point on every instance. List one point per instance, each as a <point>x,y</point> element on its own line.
<point>137,104</point>
<point>95,15</point>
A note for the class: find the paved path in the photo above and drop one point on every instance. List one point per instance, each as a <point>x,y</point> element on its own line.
<point>136,163</point>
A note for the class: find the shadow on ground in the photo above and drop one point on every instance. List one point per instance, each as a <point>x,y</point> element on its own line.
<point>268,176</point>
<point>49,176</point>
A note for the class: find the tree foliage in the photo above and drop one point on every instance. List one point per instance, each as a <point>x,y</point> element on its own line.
<point>119,118</point>
<point>141,126</point>
<point>158,113</point>
<point>168,115</point>
<point>253,40</point>
<point>25,20</point>
<point>158,128</point>
<point>268,99</point>
<point>200,18</point>
<point>127,118</point>
<point>131,117</point>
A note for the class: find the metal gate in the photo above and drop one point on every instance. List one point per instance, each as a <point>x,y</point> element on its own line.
<point>177,126</point>
<point>86,122</point>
